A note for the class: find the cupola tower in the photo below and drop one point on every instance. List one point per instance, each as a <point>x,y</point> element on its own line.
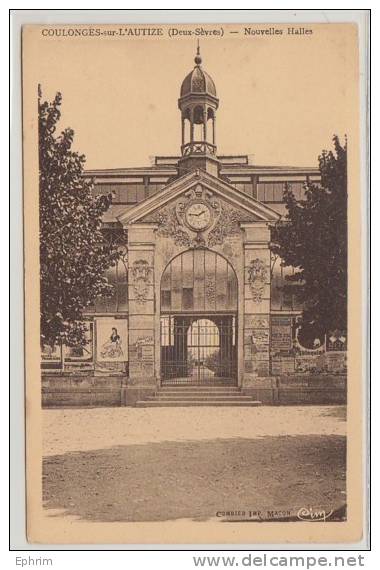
<point>198,104</point>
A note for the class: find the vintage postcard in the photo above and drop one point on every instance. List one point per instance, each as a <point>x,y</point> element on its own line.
<point>193,284</point>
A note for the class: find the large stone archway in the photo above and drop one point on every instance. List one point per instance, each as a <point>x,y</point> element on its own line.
<point>198,323</point>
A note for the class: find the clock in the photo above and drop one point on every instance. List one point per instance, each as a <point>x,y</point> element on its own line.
<point>198,216</point>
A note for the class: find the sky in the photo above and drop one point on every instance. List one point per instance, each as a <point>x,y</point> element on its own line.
<point>281,97</point>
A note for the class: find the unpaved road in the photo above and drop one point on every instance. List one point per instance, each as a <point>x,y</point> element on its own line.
<point>128,464</point>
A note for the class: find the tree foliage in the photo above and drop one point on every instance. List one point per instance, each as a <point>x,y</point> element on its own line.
<point>73,251</point>
<point>313,239</point>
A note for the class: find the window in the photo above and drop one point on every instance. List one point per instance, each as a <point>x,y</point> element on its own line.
<point>122,193</point>
<point>278,191</point>
<point>270,191</point>
<point>281,300</point>
<point>132,193</point>
<point>166,299</point>
<point>274,191</point>
<point>118,301</point>
<point>187,298</point>
<point>198,280</point>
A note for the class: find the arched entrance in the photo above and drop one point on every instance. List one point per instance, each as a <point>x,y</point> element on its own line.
<point>199,295</point>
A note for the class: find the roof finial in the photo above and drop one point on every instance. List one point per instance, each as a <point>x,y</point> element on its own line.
<point>198,59</point>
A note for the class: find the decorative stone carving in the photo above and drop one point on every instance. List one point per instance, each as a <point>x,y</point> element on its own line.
<point>172,220</point>
<point>256,321</point>
<point>260,339</point>
<point>232,248</point>
<point>226,225</point>
<point>210,289</point>
<point>141,272</point>
<point>224,220</point>
<point>257,278</point>
<point>168,226</point>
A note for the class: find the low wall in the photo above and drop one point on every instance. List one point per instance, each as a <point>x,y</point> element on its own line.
<point>72,390</point>
<point>87,391</point>
<point>81,390</point>
<point>299,389</point>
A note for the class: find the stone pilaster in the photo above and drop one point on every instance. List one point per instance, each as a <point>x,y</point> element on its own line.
<point>141,287</point>
<point>256,301</point>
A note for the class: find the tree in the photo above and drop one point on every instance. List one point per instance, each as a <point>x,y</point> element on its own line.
<point>73,252</point>
<point>313,239</point>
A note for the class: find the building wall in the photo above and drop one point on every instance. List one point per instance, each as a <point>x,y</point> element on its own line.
<point>248,253</point>
<point>269,360</point>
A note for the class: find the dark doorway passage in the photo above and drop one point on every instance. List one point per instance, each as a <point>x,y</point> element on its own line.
<point>198,349</point>
<point>199,299</point>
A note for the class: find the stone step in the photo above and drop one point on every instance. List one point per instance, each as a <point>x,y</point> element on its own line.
<point>198,402</point>
<point>202,388</point>
<point>196,396</point>
<point>200,392</point>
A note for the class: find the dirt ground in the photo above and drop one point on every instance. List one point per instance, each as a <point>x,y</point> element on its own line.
<point>128,464</point>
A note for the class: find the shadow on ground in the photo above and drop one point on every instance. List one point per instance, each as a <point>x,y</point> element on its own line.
<point>339,412</point>
<point>195,479</point>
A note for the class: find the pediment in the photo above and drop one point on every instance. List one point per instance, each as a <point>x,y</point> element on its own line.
<point>198,210</point>
<point>227,204</point>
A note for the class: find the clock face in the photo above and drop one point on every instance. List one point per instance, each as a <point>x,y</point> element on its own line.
<point>198,216</point>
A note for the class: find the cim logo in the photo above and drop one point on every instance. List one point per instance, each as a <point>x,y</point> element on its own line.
<point>310,514</point>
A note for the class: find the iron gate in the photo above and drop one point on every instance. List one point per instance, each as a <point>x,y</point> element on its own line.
<point>198,349</point>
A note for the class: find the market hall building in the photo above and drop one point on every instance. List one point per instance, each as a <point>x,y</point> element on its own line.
<point>197,294</point>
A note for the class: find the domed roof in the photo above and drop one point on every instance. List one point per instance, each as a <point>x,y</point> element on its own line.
<point>198,81</point>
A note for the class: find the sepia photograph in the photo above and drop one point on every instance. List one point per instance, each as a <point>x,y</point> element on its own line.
<point>192,214</point>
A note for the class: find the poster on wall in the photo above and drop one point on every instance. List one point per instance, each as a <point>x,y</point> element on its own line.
<point>111,340</point>
<point>281,334</point>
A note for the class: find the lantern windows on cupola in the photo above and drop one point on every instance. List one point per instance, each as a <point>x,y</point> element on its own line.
<point>198,104</point>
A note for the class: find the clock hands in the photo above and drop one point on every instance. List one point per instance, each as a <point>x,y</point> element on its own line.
<point>200,213</point>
